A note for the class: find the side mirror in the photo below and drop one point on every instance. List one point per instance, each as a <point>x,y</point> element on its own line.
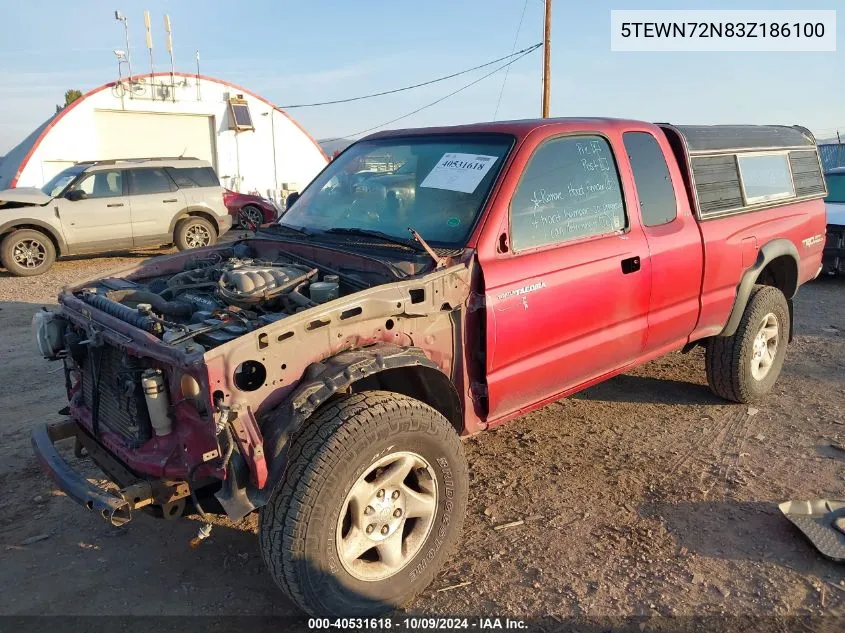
<point>291,199</point>
<point>75,195</point>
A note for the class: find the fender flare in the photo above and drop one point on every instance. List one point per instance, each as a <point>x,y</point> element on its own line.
<point>208,214</point>
<point>768,253</point>
<point>50,230</point>
<point>320,382</point>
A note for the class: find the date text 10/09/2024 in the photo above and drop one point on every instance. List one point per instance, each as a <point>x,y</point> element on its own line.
<point>418,624</point>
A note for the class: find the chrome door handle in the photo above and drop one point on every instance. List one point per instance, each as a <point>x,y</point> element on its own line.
<point>170,200</point>
<point>116,204</point>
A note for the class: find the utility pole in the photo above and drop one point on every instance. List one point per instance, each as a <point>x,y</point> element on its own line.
<point>547,59</point>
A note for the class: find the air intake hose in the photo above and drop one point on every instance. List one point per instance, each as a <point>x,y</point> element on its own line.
<point>122,312</point>
<point>170,308</point>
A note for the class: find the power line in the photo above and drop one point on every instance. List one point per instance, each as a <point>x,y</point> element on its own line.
<point>521,54</point>
<point>420,85</point>
<point>507,70</point>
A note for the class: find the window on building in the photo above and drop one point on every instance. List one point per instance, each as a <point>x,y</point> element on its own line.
<point>765,177</point>
<point>241,119</point>
<point>150,180</point>
<point>102,184</point>
<point>658,204</point>
<point>569,190</point>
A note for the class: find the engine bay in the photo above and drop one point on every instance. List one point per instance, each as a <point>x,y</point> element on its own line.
<point>215,300</point>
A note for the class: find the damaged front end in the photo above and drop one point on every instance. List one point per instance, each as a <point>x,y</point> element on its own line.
<point>187,376</point>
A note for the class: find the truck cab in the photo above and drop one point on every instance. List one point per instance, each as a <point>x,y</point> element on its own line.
<point>322,372</point>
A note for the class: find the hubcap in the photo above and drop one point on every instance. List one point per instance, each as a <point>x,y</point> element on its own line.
<point>197,236</point>
<point>387,516</point>
<point>765,347</point>
<point>29,253</point>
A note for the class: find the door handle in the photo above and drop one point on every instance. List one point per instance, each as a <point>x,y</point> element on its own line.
<point>630,265</point>
<point>170,200</point>
<point>116,204</point>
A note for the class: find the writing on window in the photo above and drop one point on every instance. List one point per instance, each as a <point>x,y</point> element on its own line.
<point>570,190</point>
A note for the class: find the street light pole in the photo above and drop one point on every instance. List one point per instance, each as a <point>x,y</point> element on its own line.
<point>547,59</point>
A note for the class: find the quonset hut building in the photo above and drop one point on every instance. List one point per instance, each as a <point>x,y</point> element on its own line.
<point>253,145</point>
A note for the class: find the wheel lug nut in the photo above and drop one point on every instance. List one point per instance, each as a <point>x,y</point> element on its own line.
<point>395,494</point>
<point>370,528</point>
<point>397,513</point>
<point>385,529</point>
<point>380,494</point>
<point>368,510</point>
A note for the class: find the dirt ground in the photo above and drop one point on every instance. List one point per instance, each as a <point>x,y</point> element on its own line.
<point>643,496</point>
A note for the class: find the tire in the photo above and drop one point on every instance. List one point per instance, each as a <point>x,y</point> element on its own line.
<point>194,232</point>
<point>26,253</point>
<point>309,517</point>
<point>731,360</point>
<point>252,213</point>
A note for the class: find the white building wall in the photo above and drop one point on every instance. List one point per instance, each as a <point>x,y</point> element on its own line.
<point>245,160</point>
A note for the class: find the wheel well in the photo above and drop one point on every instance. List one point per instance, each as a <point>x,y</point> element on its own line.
<point>34,227</point>
<point>781,273</point>
<point>204,216</point>
<point>421,383</point>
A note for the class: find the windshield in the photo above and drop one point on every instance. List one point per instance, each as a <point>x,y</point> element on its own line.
<point>61,180</point>
<point>438,188</point>
<point>835,188</point>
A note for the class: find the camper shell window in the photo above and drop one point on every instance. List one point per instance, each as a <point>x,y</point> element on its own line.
<point>740,168</point>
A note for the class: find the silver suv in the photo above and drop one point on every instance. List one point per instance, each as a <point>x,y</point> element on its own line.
<point>102,206</point>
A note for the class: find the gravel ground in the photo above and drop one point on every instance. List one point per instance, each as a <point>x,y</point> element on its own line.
<point>643,496</point>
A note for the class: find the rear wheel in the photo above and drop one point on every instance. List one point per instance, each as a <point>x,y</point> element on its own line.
<point>194,232</point>
<point>27,252</point>
<point>744,367</point>
<point>371,504</point>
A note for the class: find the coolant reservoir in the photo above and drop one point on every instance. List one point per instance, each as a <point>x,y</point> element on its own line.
<point>326,290</point>
<point>158,403</point>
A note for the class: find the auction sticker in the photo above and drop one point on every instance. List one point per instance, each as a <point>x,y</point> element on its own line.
<point>459,172</point>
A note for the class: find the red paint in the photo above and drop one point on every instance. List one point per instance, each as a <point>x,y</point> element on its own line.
<point>59,115</point>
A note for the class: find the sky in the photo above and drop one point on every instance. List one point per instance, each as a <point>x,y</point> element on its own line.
<point>293,51</point>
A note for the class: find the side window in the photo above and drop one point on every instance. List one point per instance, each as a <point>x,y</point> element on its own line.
<point>570,189</point>
<point>193,176</point>
<point>151,180</point>
<point>651,175</point>
<point>102,184</point>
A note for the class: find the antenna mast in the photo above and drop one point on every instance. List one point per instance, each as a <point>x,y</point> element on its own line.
<point>547,59</point>
<point>122,18</point>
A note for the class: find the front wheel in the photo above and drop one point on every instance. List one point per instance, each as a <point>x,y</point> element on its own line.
<point>745,366</point>
<point>372,502</point>
<point>26,253</point>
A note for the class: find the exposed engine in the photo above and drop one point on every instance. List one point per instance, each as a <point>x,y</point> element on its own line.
<point>214,302</point>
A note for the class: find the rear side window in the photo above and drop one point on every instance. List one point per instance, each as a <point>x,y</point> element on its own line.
<point>193,176</point>
<point>765,177</point>
<point>150,180</point>
<point>651,175</point>
<point>570,190</point>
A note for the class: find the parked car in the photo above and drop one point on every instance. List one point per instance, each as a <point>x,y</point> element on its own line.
<point>323,371</point>
<point>834,249</point>
<point>249,209</point>
<point>101,206</point>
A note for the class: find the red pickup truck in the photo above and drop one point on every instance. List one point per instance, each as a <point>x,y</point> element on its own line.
<point>323,371</point>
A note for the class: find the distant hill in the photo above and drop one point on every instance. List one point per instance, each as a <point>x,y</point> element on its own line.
<point>335,144</point>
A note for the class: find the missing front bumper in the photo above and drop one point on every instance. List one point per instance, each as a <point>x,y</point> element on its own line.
<point>115,507</point>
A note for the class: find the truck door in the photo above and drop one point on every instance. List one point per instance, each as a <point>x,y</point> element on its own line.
<point>155,200</point>
<point>100,220</point>
<point>568,299</point>
<point>674,242</point>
